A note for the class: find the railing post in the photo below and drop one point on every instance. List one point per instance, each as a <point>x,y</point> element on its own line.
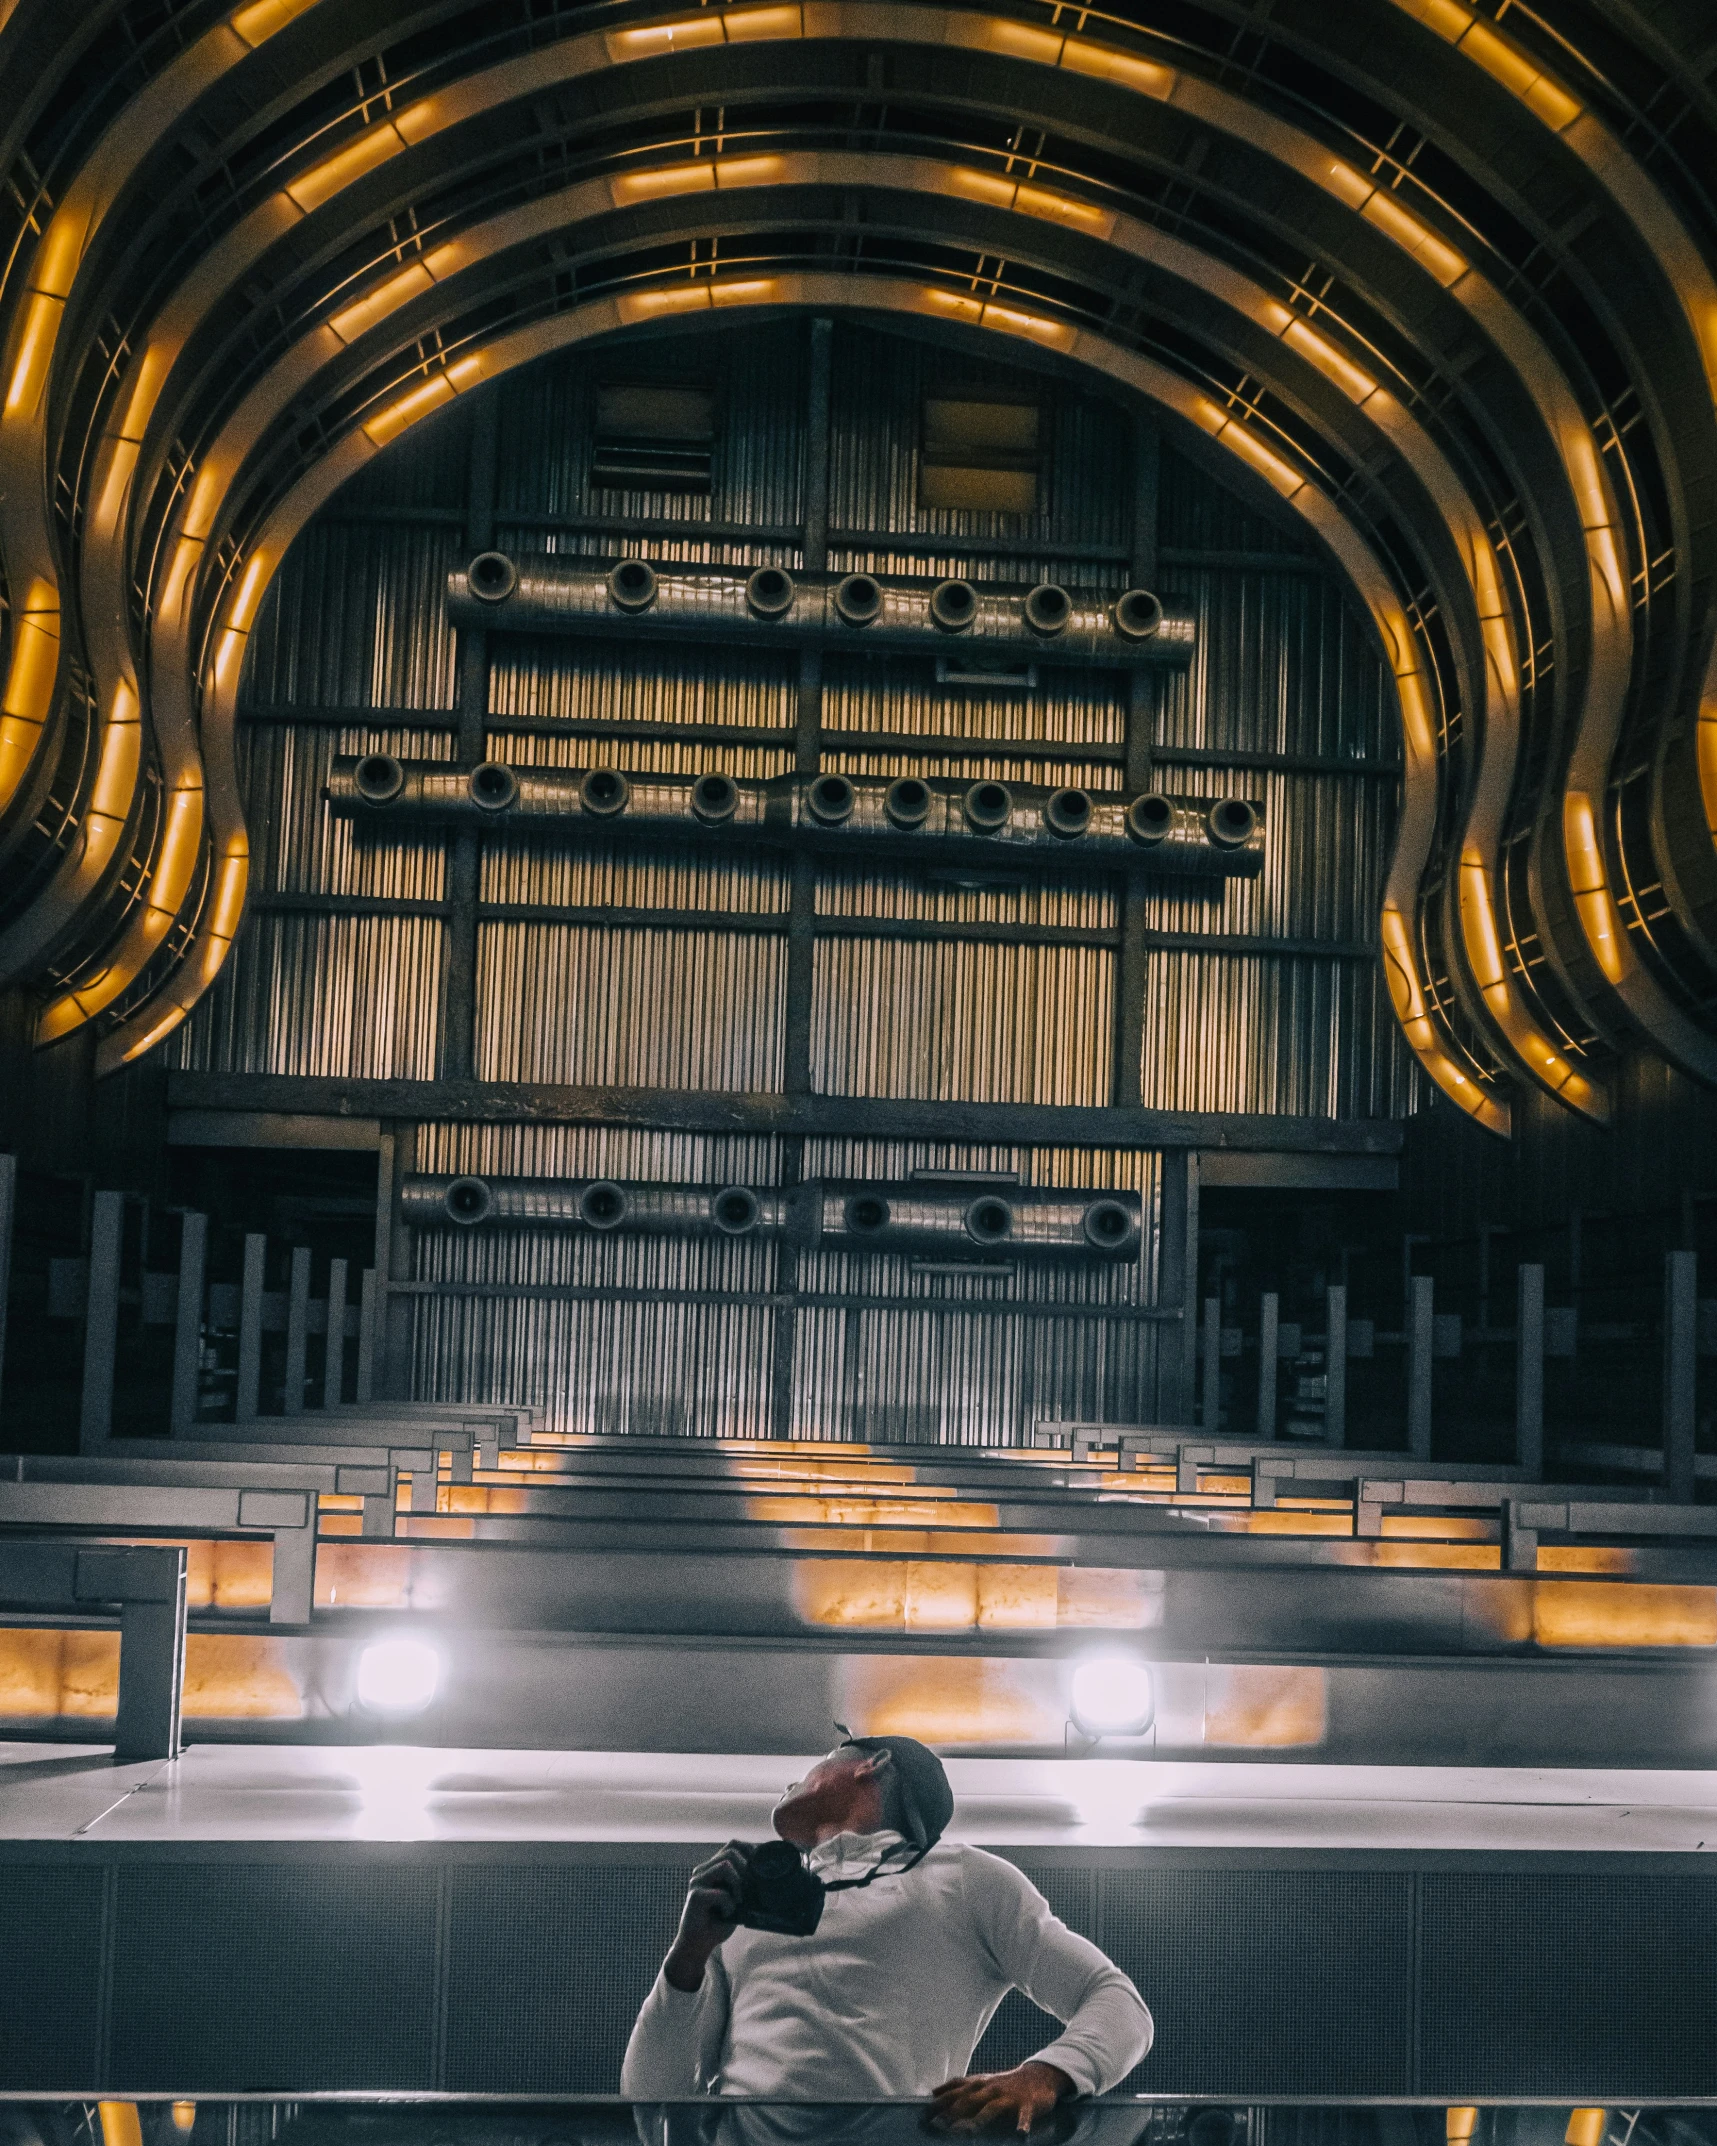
<point>1421,1328</point>
<point>1680,1340</point>
<point>297,1329</point>
<point>101,1319</point>
<point>366,1338</point>
<point>1335,1364</point>
<point>250,1328</point>
<point>1211,1412</point>
<point>188,1328</point>
<point>1269,1369</point>
<point>1529,1372</point>
<point>149,1586</point>
<point>334,1348</point>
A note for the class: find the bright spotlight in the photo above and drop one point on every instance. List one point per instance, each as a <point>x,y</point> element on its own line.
<point>398,1676</point>
<point>1113,1695</point>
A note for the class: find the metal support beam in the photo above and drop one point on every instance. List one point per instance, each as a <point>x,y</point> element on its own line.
<point>1269,1316</point>
<point>250,1328</point>
<point>334,1345</point>
<point>297,1329</point>
<point>149,1586</point>
<point>818,1117</point>
<point>101,1319</point>
<point>1335,1364</point>
<point>1128,1014</point>
<point>1680,1364</point>
<point>456,1058</point>
<point>1529,1371</point>
<point>188,1324</point>
<point>1421,1315</point>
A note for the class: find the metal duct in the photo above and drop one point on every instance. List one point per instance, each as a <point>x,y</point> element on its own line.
<point>1050,624</point>
<point>972,1220</point>
<point>912,816</point>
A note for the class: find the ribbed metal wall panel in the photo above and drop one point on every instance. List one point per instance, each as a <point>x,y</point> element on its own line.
<point>355,618</point>
<point>670,1009</point>
<point>298,846</point>
<point>1271,1033</point>
<point>695,1370</point>
<point>356,998</point>
<point>1281,665</point>
<point>1068,707</point>
<point>963,1380</point>
<point>984,1024</point>
<point>640,681</point>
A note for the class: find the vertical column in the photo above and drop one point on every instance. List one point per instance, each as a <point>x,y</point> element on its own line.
<point>1210,1415</point>
<point>8,1223</point>
<point>188,1325</point>
<point>334,1352</point>
<point>399,1309</point>
<point>1269,1319</point>
<point>1177,1284</point>
<point>297,1329</point>
<point>365,1386</point>
<point>152,1661</point>
<point>1126,1072</point>
<point>1335,1364</point>
<point>101,1328</point>
<point>464,864</point>
<point>250,1328</point>
<point>1529,1371</point>
<point>1680,1292</point>
<point>802,898</point>
<point>1421,1320</point>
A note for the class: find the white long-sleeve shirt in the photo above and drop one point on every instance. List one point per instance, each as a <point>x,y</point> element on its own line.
<point>891,1995</point>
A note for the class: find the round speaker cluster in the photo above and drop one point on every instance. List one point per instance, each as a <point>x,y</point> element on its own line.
<point>468,1201</point>
<point>831,799</point>
<point>632,585</point>
<point>770,592</point>
<point>1231,822</point>
<point>378,778</point>
<point>953,605</point>
<point>1150,819</point>
<point>715,798</point>
<point>493,787</point>
<point>603,1205</point>
<point>604,793</point>
<point>491,577</point>
<point>735,1210</point>
<point>988,807</point>
<point>907,801</point>
<point>858,599</point>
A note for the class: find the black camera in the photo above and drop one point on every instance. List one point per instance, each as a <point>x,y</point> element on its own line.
<point>778,1893</point>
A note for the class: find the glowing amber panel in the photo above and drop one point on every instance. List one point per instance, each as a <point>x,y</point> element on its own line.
<point>1266,1708</point>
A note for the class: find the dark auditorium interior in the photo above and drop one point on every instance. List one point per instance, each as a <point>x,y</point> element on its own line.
<point>858,873</point>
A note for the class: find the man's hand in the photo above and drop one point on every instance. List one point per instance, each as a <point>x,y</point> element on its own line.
<point>986,2100</point>
<point>709,1917</point>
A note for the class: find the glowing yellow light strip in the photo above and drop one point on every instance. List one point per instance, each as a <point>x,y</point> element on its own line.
<point>1503,61</point>
<point>735,26</point>
<point>1590,884</point>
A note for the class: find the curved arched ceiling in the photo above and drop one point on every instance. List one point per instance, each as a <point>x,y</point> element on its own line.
<point>1440,283</point>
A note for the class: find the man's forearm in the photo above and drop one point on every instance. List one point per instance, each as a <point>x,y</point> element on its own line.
<point>685,1966</point>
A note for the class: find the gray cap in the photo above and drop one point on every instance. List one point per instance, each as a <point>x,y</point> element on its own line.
<point>916,1787</point>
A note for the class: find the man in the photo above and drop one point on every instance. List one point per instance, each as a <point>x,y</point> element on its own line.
<point>917,1946</point>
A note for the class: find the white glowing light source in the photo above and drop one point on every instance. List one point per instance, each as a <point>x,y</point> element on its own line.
<point>1113,1695</point>
<point>398,1676</point>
